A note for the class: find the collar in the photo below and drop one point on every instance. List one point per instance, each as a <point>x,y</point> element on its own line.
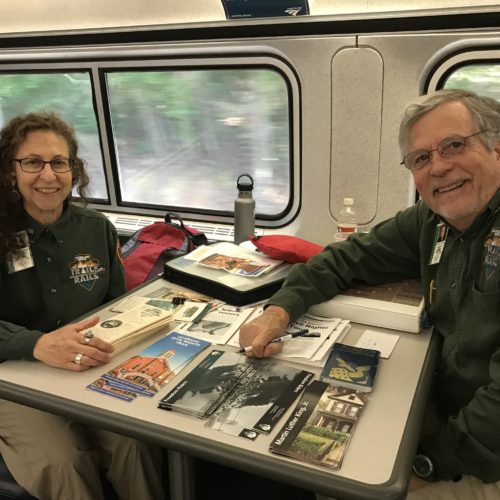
<point>492,208</point>
<point>57,229</point>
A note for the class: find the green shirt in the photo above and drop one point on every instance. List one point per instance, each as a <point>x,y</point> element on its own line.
<point>464,437</point>
<point>76,269</point>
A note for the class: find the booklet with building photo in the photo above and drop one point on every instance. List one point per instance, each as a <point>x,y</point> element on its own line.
<point>147,372</point>
<point>320,427</point>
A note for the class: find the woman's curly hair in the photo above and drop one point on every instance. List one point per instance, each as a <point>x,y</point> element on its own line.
<point>12,136</point>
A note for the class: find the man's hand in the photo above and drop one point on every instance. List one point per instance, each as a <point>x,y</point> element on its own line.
<point>60,347</point>
<point>259,332</point>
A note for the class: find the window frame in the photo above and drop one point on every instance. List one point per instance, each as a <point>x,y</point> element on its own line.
<point>98,60</point>
<point>455,55</point>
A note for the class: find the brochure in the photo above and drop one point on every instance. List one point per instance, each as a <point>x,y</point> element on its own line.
<point>320,428</point>
<point>244,396</point>
<point>145,373</point>
<point>144,317</point>
<point>234,259</point>
<point>352,367</point>
<point>218,325</point>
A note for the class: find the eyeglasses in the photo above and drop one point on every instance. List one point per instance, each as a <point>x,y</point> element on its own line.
<point>451,146</point>
<point>35,165</point>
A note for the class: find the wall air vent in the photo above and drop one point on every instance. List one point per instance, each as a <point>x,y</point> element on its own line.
<point>128,224</point>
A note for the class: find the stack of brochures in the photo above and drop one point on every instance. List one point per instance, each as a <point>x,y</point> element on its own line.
<point>141,317</point>
<point>312,349</point>
<point>242,396</point>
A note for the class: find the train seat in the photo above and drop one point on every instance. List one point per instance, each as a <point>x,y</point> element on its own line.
<point>9,489</point>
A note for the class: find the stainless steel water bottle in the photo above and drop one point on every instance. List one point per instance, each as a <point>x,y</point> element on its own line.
<point>244,210</point>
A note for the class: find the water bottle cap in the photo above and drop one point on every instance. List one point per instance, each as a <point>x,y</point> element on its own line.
<point>245,185</point>
<point>348,201</point>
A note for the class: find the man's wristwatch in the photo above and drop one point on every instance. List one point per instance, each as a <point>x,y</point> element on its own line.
<point>423,466</point>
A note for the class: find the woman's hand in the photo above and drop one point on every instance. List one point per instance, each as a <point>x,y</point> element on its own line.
<point>259,332</point>
<point>68,348</point>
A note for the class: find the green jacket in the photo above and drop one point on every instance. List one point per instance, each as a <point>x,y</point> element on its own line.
<point>465,311</point>
<point>77,268</point>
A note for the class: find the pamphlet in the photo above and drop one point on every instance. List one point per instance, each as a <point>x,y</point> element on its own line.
<point>265,391</point>
<point>234,260</point>
<point>351,367</point>
<point>218,325</point>
<point>145,373</point>
<point>145,317</point>
<point>310,350</point>
<point>320,428</point>
<point>243,396</point>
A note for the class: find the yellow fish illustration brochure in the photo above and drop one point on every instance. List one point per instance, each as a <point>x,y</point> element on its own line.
<point>351,367</point>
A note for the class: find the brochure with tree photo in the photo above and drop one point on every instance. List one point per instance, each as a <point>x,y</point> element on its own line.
<point>244,396</point>
<point>264,393</point>
<point>321,426</point>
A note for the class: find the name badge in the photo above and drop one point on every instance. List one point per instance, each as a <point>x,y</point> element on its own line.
<point>439,242</point>
<point>22,258</point>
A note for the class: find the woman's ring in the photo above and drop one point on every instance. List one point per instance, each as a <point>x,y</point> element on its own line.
<point>78,358</point>
<point>87,336</point>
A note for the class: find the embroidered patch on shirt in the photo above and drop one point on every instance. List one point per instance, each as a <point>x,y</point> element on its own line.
<point>491,252</point>
<point>85,270</point>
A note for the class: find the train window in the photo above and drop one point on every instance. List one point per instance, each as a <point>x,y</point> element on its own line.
<point>67,93</point>
<point>183,136</point>
<point>481,78</point>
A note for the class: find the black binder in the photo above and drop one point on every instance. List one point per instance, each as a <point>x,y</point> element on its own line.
<point>217,283</point>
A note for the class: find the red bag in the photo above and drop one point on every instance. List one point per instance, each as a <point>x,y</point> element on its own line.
<point>147,250</point>
<point>287,248</point>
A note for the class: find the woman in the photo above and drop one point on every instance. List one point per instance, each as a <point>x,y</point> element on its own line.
<point>57,262</point>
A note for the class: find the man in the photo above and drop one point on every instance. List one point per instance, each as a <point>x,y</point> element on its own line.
<point>450,140</point>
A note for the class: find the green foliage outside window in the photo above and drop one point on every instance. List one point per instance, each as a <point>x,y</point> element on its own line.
<point>484,79</point>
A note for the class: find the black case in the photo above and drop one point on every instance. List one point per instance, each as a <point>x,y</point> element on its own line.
<point>190,274</point>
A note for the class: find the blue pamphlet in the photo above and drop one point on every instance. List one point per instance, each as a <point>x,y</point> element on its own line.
<point>351,367</point>
<point>147,372</point>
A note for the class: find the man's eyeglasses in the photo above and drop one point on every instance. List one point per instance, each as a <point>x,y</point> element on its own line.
<point>35,165</point>
<point>451,146</point>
